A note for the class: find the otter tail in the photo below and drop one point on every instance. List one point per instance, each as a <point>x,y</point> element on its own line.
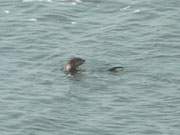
<point>116,69</point>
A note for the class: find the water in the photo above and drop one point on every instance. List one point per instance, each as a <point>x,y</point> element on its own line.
<point>37,37</point>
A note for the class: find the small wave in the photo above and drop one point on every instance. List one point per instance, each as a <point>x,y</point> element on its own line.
<point>137,11</point>
<point>77,1</point>
<point>32,20</point>
<point>73,2</point>
<point>6,11</point>
<point>73,22</point>
<point>37,1</point>
<point>125,8</point>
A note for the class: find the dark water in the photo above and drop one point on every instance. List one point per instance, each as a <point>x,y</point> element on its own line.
<point>37,37</point>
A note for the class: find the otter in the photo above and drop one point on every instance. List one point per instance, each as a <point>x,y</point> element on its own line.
<point>74,63</point>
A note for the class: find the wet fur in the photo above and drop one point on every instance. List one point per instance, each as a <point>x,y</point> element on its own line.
<point>73,65</point>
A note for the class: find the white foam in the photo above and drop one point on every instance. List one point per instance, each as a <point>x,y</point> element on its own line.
<point>74,3</point>
<point>125,8</point>
<point>73,22</point>
<point>6,11</point>
<point>37,1</point>
<point>78,1</point>
<point>33,20</point>
<point>137,11</point>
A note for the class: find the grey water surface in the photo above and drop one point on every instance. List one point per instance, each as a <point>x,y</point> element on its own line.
<point>37,37</point>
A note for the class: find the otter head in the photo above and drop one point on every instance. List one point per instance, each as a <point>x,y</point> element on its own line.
<point>73,64</point>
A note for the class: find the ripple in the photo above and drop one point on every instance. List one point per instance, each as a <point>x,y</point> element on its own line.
<point>37,1</point>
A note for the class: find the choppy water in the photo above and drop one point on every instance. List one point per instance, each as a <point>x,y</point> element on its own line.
<point>37,37</point>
